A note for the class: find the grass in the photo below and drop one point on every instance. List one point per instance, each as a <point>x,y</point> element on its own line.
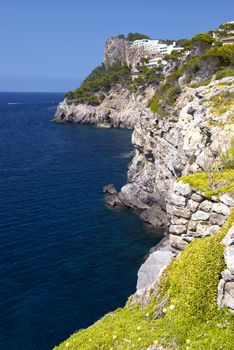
<point>223,73</point>
<point>211,183</point>
<point>222,103</point>
<point>190,283</point>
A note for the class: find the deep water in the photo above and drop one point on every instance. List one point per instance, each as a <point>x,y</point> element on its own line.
<point>65,258</point>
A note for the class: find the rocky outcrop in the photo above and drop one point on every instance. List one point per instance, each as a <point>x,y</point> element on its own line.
<point>226,284</point>
<point>188,140</point>
<point>119,109</point>
<point>117,49</point>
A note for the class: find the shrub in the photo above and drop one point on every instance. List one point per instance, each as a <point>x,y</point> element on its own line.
<point>224,54</point>
<point>136,36</point>
<point>223,181</point>
<point>204,39</point>
<point>100,81</point>
<point>224,72</point>
<point>227,157</point>
<point>222,103</point>
<point>229,26</point>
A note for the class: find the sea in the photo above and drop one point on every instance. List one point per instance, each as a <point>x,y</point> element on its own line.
<point>66,259</point>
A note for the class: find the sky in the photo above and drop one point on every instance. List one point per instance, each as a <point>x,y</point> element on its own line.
<point>52,45</point>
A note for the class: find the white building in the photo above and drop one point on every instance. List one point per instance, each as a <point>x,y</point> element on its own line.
<point>155,47</point>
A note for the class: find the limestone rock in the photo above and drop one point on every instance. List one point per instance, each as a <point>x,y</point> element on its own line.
<point>184,213</point>
<point>112,200</point>
<point>202,229</point>
<point>178,229</point>
<point>217,219</point>
<point>177,242</point>
<point>109,189</point>
<point>178,200</point>
<point>152,268</point>
<point>225,295</point>
<point>155,216</point>
<point>197,197</point>
<point>192,226</point>
<point>193,205</point>
<point>226,199</point>
<point>229,257</point>
<point>182,189</point>
<point>178,221</point>
<point>129,196</point>
<point>220,208</point>
<point>205,206</point>
<point>200,215</point>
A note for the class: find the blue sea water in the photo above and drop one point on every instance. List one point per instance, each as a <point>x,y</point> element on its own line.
<point>65,258</point>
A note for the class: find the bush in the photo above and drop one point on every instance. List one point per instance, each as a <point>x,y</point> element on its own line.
<point>136,36</point>
<point>204,39</point>
<point>223,73</point>
<point>222,102</point>
<point>223,54</point>
<point>229,26</point>
<point>227,157</point>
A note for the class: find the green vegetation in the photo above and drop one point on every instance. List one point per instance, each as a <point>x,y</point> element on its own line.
<point>174,55</point>
<point>191,319</point>
<point>227,157</point>
<point>147,76</point>
<point>136,36</point>
<point>219,59</point>
<point>204,40</point>
<point>227,26</point>
<point>224,55</point>
<point>224,72</point>
<point>133,36</point>
<point>203,83</point>
<point>222,103</point>
<point>212,183</point>
<point>101,80</point>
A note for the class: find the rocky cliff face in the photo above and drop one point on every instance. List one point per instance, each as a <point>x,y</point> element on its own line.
<point>186,141</point>
<point>119,109</point>
<point>122,50</point>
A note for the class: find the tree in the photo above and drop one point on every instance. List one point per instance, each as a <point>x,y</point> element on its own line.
<point>136,36</point>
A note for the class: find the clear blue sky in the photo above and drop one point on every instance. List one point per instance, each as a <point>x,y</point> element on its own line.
<point>51,45</point>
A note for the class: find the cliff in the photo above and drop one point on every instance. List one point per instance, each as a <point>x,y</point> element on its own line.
<point>119,109</point>
<point>182,178</point>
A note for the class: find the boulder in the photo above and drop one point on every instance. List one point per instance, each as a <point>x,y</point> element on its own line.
<point>182,189</point>
<point>184,213</point>
<point>112,200</point>
<point>178,229</point>
<point>178,221</point>
<point>200,215</point>
<point>155,216</point>
<point>193,205</point>
<point>220,208</point>
<point>180,201</point>
<point>192,226</point>
<point>197,197</point>
<point>217,219</point>
<point>177,242</point>
<point>130,197</point>
<point>205,206</point>
<point>110,189</point>
<point>226,199</point>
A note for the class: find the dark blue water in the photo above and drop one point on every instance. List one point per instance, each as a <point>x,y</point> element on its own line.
<point>65,259</point>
